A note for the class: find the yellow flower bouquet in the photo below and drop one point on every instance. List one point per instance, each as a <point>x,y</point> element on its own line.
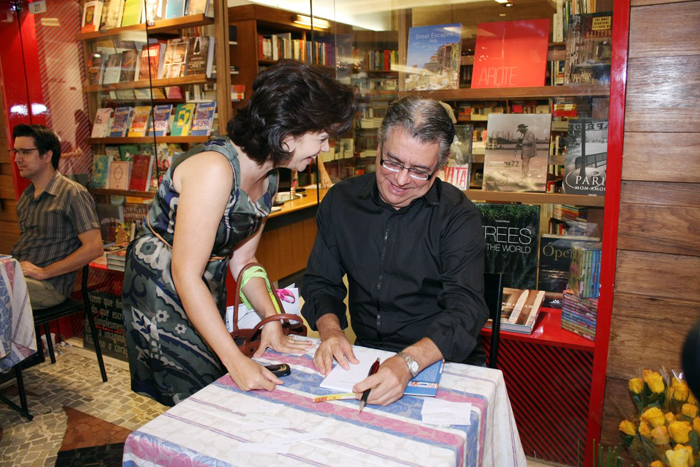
<point>665,432</point>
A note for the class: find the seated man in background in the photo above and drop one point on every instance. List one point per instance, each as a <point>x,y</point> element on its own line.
<point>59,229</point>
<point>413,251</point>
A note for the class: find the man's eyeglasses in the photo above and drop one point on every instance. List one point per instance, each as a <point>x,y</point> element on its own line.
<point>23,152</point>
<point>413,173</point>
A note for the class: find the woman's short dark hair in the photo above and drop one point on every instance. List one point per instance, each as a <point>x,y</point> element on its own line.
<point>44,138</point>
<point>290,99</point>
<point>423,119</point>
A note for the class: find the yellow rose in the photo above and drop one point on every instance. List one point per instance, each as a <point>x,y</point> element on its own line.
<point>628,428</point>
<point>670,418</point>
<point>654,381</point>
<point>679,431</point>
<point>696,425</point>
<point>659,436</point>
<point>680,390</point>
<point>689,410</point>
<point>691,461</point>
<point>654,416</point>
<point>656,464</point>
<point>677,458</point>
<point>644,429</point>
<point>636,385</point>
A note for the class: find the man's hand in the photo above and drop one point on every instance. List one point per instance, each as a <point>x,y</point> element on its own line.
<point>388,384</point>
<point>334,345</point>
<point>273,337</point>
<point>33,271</point>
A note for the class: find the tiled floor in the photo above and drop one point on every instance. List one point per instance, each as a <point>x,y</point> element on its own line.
<point>74,411</point>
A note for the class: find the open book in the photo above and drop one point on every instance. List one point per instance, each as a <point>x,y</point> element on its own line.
<point>520,309</point>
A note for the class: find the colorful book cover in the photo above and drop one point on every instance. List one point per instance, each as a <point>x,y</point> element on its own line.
<point>511,54</point>
<point>130,59</point>
<point>154,10</point>
<point>161,120</point>
<point>121,121</point>
<point>459,165</point>
<point>113,152</point>
<point>128,151</point>
<point>555,260</point>
<point>119,172</point>
<point>113,69</point>
<point>111,14</point>
<point>203,119</point>
<point>132,12</point>
<point>197,55</point>
<point>91,16</point>
<point>175,9</point>
<point>139,122</point>
<point>511,232</point>
<point>95,68</point>
<point>141,171</point>
<point>175,62</point>
<point>517,152</point>
<point>150,61</point>
<point>183,120</point>
<point>434,57</point>
<point>100,129</point>
<point>586,157</point>
<point>589,49</point>
<point>100,170</point>
<point>427,382</point>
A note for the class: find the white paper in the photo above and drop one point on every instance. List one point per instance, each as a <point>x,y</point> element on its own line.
<point>446,413</point>
<point>343,380</point>
<point>247,319</point>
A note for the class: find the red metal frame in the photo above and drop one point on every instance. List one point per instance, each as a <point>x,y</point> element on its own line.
<point>618,87</point>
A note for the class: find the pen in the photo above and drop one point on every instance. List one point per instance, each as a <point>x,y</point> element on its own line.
<point>373,369</point>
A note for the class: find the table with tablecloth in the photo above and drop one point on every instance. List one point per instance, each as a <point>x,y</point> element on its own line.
<point>17,337</point>
<point>222,425</point>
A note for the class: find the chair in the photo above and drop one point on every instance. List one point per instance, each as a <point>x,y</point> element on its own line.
<point>67,308</point>
<point>493,295</point>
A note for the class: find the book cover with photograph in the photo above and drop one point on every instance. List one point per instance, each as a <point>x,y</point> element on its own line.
<point>111,14</point>
<point>511,54</point>
<point>203,119</point>
<point>154,10</point>
<point>197,54</point>
<point>101,127</point>
<point>121,122</point>
<point>175,61</point>
<point>517,152</point>
<point>197,7</point>
<point>183,120</point>
<point>586,157</point>
<point>555,260</point>
<point>161,120</point>
<point>589,49</point>
<point>434,57</point>
<point>91,16</point>
<point>511,232</point>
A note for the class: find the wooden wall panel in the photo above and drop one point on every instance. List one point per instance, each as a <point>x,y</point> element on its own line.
<point>9,234</point>
<point>664,194</point>
<point>658,275</point>
<point>663,94</point>
<point>618,405</point>
<point>647,39</point>
<point>635,3</point>
<point>667,157</point>
<point>661,229</point>
<point>6,189</point>
<point>654,309</point>
<point>8,210</point>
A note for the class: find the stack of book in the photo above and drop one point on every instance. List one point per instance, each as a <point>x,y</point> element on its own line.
<point>578,314</point>
<point>584,272</point>
<point>116,257</point>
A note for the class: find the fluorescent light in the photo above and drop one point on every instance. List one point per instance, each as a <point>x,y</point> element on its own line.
<point>317,22</point>
<point>502,1</point>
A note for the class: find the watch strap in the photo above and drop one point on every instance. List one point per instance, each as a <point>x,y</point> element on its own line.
<point>412,363</point>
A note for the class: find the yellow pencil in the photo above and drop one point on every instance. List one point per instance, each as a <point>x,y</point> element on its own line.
<point>335,397</point>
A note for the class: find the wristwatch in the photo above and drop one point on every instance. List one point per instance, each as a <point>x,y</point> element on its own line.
<point>413,365</point>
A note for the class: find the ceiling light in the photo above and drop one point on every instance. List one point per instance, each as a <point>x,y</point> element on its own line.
<point>317,22</point>
<point>502,1</point>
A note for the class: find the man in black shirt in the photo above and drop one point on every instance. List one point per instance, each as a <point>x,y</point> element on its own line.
<point>412,248</point>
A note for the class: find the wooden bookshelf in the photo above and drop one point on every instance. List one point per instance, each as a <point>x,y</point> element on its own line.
<point>500,94</point>
<point>155,83</point>
<point>108,192</point>
<point>150,139</point>
<point>166,25</point>
<point>535,198</point>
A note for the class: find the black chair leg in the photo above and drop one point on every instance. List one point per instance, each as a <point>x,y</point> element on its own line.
<point>96,341</point>
<point>24,409</point>
<point>49,344</point>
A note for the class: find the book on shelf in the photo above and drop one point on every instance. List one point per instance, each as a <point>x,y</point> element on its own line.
<point>111,14</point>
<point>140,120</point>
<point>183,120</point>
<point>589,49</point>
<point>161,120</point>
<point>132,12</point>
<point>555,260</point>
<point>113,68</point>
<point>151,60</point>
<point>175,61</point>
<point>520,309</point>
<point>517,152</point>
<point>141,172</point>
<point>511,54</point>
<point>458,169</point>
<point>144,94</point>
<point>100,170</point>
<point>511,232</point>
<point>101,127</point>
<point>203,119</point>
<point>91,16</point>
<point>175,9</point>
<point>584,271</point>
<point>130,61</point>
<point>434,55</point>
<point>198,7</point>
<point>154,10</point>
<point>121,122</point>
<point>113,152</point>
<point>579,315</point>
<point>128,151</point>
<point>119,172</point>
<point>586,157</point>
<point>200,56</point>
<point>95,68</point>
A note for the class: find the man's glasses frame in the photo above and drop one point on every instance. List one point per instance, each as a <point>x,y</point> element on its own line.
<point>397,167</point>
<point>23,152</point>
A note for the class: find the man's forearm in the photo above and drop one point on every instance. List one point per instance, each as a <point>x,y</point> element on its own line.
<point>327,325</point>
<point>425,352</point>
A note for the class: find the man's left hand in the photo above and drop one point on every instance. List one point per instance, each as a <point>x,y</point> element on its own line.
<point>33,271</point>
<point>387,384</point>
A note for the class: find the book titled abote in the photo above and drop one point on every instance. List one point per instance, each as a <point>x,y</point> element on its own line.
<point>141,172</point>
<point>203,119</point>
<point>119,172</point>
<point>120,122</point>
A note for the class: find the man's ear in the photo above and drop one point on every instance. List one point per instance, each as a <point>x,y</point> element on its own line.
<point>48,154</point>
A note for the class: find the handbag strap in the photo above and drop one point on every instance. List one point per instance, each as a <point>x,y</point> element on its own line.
<point>281,317</point>
<point>148,222</point>
<point>273,296</point>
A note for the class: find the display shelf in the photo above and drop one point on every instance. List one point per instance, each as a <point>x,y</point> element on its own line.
<point>108,192</point>
<point>155,83</point>
<point>499,94</point>
<point>548,331</point>
<point>150,139</point>
<point>535,198</point>
<point>166,25</point>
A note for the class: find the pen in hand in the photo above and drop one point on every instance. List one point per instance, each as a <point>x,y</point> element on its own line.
<point>373,369</point>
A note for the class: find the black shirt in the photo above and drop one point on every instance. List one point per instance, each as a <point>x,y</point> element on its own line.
<point>413,272</point>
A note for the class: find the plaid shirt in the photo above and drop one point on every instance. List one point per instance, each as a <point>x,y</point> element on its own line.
<point>50,224</point>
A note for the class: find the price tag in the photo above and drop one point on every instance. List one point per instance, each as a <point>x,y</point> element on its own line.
<point>38,6</point>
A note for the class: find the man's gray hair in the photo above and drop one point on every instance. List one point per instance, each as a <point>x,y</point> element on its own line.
<point>423,119</point>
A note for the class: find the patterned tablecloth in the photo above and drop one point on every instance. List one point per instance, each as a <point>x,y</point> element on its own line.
<point>222,426</point>
<point>17,338</point>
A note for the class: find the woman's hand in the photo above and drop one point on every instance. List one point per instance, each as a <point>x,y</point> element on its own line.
<point>272,337</point>
<point>249,375</point>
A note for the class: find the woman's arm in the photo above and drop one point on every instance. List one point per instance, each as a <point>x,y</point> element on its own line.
<point>204,183</point>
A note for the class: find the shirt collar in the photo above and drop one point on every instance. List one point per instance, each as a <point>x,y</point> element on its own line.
<point>51,188</point>
<point>432,197</point>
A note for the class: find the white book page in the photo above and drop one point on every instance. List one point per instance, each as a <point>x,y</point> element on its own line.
<point>342,381</point>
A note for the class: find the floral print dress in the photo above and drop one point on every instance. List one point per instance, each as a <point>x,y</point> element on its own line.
<point>168,359</point>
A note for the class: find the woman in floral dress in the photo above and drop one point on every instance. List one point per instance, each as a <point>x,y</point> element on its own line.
<point>207,218</point>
